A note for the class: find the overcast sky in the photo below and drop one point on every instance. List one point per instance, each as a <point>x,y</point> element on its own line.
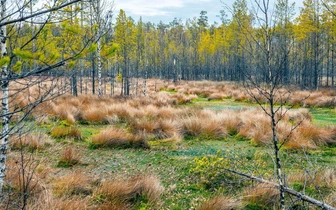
<point>167,10</point>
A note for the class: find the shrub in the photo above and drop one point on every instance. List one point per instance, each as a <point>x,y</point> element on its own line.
<point>213,173</point>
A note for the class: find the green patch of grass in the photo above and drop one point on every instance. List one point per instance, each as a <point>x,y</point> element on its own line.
<point>89,130</point>
<point>255,206</point>
<point>323,116</point>
<point>221,104</point>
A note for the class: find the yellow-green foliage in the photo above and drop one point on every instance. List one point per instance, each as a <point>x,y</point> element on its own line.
<point>92,48</point>
<point>111,50</point>
<point>63,131</point>
<point>23,53</point>
<point>212,170</point>
<point>4,61</point>
<point>17,67</point>
<point>119,77</point>
<point>71,64</point>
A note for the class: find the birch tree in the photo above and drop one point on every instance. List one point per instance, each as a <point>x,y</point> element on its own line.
<point>13,16</point>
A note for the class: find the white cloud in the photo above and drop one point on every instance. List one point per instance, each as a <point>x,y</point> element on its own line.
<point>149,7</point>
<point>167,10</point>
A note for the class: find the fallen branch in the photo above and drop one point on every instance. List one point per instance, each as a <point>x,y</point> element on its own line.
<point>299,195</point>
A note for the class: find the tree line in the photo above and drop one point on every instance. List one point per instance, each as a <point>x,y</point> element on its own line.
<point>193,50</point>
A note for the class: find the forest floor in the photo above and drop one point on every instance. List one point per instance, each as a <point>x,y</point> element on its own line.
<point>190,172</point>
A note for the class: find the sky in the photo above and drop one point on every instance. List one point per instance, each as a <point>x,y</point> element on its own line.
<point>166,10</point>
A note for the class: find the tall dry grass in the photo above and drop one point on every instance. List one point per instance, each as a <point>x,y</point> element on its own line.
<point>323,178</point>
<point>127,192</point>
<point>76,183</point>
<point>221,203</point>
<point>69,157</point>
<point>33,141</point>
<point>264,195</point>
<point>118,137</point>
<point>156,116</point>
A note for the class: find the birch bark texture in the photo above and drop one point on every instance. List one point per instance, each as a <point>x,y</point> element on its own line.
<point>5,105</point>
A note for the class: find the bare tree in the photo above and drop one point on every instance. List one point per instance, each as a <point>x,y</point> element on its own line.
<point>14,82</point>
<point>264,82</point>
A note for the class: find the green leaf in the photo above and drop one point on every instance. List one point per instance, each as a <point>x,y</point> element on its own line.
<point>93,48</point>
<point>23,53</point>
<point>17,67</point>
<point>71,64</point>
<point>4,61</point>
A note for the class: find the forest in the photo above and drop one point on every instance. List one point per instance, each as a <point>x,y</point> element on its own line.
<point>302,45</point>
<point>102,111</point>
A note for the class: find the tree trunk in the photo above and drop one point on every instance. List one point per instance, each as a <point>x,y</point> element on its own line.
<point>99,65</point>
<point>93,74</point>
<point>5,104</point>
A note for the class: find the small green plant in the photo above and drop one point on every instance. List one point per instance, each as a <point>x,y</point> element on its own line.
<point>213,172</point>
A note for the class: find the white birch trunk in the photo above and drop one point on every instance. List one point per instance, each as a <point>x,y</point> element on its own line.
<point>99,64</point>
<point>5,107</point>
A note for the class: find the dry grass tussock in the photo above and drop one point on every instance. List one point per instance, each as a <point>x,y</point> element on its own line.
<point>158,129</point>
<point>325,178</point>
<point>156,117</point>
<point>33,141</point>
<point>148,121</point>
<point>76,183</point>
<point>262,194</point>
<point>116,192</point>
<point>69,157</point>
<point>221,203</point>
<point>310,136</point>
<point>46,200</point>
<point>220,90</point>
<point>118,137</point>
<point>102,110</point>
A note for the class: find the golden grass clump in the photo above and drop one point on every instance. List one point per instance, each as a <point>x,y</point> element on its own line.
<point>116,192</point>
<point>255,126</point>
<point>216,96</point>
<point>93,114</point>
<point>33,141</point>
<point>59,132</point>
<point>65,111</point>
<point>69,158</point>
<point>76,183</point>
<point>46,200</point>
<point>192,126</point>
<point>325,178</point>
<point>263,195</point>
<point>220,203</point>
<point>169,129</point>
<point>299,115</point>
<point>231,122</point>
<point>118,137</point>
<point>65,204</point>
<point>319,136</point>
<point>66,131</point>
